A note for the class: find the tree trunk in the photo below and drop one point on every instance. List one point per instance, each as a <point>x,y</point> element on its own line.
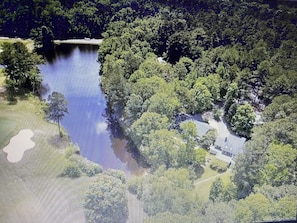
<point>60,133</point>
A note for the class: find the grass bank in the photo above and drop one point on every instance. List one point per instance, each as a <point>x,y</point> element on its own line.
<point>31,190</point>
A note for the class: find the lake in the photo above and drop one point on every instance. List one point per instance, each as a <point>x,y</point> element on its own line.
<point>73,70</point>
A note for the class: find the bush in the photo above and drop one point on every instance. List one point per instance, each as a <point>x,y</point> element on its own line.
<point>219,166</point>
<point>217,113</point>
<point>117,174</point>
<point>135,186</point>
<point>71,169</point>
<point>86,166</point>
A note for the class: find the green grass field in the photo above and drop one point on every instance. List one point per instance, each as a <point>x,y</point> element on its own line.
<point>203,184</point>
<point>30,190</point>
<point>28,42</point>
<point>7,130</point>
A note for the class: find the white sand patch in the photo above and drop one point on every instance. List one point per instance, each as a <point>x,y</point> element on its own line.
<point>18,145</point>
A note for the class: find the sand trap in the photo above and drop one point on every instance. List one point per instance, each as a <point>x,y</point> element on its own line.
<point>18,145</point>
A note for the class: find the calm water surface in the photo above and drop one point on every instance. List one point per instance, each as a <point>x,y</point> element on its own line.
<point>74,71</point>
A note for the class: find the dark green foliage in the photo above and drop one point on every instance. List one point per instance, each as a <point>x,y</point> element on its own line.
<point>216,190</point>
<point>219,166</point>
<point>20,68</point>
<point>243,120</point>
<point>43,38</point>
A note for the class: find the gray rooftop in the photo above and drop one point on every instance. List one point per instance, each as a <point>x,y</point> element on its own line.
<point>202,127</point>
<point>231,144</point>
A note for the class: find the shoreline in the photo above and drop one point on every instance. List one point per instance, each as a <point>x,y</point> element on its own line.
<point>86,41</point>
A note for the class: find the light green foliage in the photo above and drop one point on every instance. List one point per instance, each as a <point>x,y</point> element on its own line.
<point>73,149</point>
<point>219,212</point>
<point>106,201</point>
<point>168,217</point>
<point>285,208</point>
<point>182,68</point>
<point>71,169</point>
<point>146,124</point>
<point>166,148</point>
<point>135,186</point>
<point>184,95</point>
<point>201,98</point>
<point>254,208</point>
<point>188,156</point>
<point>164,104</point>
<point>86,166</point>
<point>117,174</point>
<point>147,87</point>
<point>170,191</point>
<point>280,166</point>
<point>212,82</point>
<point>243,120</point>
<point>152,67</point>
<point>200,156</point>
<point>134,108</point>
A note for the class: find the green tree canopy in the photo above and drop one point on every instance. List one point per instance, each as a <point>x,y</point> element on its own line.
<point>146,124</point>
<point>243,120</point>
<point>20,68</point>
<point>57,108</point>
<point>106,201</point>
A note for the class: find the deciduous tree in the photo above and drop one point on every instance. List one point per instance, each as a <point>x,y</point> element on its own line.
<point>57,108</point>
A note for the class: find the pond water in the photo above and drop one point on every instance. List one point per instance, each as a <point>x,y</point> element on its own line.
<point>73,70</point>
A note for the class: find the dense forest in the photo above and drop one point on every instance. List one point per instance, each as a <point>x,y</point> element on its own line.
<point>161,59</point>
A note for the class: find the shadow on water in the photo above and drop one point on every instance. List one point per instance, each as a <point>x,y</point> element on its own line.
<point>73,70</point>
<point>61,50</point>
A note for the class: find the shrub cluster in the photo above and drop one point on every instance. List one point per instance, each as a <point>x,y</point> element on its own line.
<point>71,170</point>
<point>219,166</point>
<point>86,166</point>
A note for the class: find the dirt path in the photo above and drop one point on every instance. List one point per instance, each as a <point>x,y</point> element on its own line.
<point>210,178</point>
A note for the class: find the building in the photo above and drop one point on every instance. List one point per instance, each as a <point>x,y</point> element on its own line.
<point>231,145</point>
<point>202,127</point>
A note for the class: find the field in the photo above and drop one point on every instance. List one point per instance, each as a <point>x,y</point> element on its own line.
<point>208,177</point>
<point>31,190</point>
<point>28,43</point>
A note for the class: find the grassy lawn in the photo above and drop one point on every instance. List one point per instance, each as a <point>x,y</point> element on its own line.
<point>30,190</point>
<point>7,130</point>
<point>28,43</point>
<point>204,183</point>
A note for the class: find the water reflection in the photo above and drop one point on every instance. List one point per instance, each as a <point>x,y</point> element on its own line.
<point>73,71</point>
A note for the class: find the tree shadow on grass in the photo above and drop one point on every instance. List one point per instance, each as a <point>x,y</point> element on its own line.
<point>59,142</point>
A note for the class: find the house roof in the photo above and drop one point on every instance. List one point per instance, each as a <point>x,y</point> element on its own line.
<point>202,127</point>
<point>231,144</point>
